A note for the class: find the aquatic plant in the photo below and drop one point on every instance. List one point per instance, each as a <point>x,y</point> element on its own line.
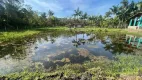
<point>101,68</point>
<point>83,52</point>
<point>97,67</point>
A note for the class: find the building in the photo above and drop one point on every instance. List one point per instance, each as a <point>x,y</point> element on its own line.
<point>76,25</point>
<point>136,21</point>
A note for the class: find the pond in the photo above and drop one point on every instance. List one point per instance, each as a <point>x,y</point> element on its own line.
<point>54,48</point>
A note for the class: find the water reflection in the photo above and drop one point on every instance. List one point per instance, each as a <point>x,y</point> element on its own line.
<point>85,39</point>
<point>15,51</point>
<point>120,45</point>
<point>134,40</point>
<point>62,47</point>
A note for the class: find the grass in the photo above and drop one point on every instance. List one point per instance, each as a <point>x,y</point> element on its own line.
<point>9,36</point>
<point>135,33</point>
<point>101,68</point>
<point>14,35</point>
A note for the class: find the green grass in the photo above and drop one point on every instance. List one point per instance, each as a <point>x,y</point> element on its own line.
<point>9,36</point>
<point>14,35</point>
<point>135,33</point>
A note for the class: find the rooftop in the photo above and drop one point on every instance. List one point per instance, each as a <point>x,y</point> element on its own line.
<point>139,14</point>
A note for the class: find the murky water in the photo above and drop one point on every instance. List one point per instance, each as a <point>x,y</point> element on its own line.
<point>62,47</point>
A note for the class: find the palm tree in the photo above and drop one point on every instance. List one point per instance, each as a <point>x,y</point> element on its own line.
<point>115,11</point>
<point>132,9</point>
<point>140,5</point>
<point>77,13</point>
<point>51,17</point>
<point>100,20</point>
<point>84,17</point>
<point>90,19</point>
<point>50,13</point>
<point>108,14</point>
<point>125,4</point>
<point>93,19</point>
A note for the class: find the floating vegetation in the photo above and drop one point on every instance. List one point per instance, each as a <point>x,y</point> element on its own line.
<point>83,52</point>
<point>62,60</point>
<point>65,60</point>
<point>123,66</point>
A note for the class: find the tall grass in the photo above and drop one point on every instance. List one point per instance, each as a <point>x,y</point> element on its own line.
<point>9,36</point>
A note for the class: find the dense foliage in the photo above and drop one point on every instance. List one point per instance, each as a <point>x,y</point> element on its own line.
<point>14,14</point>
<point>124,12</point>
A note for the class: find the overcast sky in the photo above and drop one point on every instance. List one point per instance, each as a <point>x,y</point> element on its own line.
<point>65,8</point>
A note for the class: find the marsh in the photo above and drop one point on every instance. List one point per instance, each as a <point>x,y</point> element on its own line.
<point>57,48</point>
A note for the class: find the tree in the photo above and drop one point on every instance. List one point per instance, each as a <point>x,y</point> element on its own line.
<point>114,10</point>
<point>43,19</point>
<point>124,11</point>
<point>140,6</point>
<point>108,14</point>
<point>125,4</point>
<point>77,13</point>
<point>84,17</point>
<point>51,18</point>
<point>50,13</point>
<point>91,20</point>
<point>43,15</point>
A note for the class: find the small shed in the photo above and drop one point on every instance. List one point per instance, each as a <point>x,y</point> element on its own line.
<point>136,21</point>
<point>76,25</point>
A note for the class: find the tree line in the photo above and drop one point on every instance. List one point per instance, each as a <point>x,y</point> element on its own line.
<point>14,14</point>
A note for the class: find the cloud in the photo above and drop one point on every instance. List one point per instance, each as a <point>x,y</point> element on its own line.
<point>64,8</point>
<point>44,5</point>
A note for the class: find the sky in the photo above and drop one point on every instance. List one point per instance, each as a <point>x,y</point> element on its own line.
<point>65,8</point>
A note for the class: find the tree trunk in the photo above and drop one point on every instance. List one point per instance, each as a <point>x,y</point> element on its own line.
<point>118,24</point>
<point>5,28</point>
<point>17,27</point>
